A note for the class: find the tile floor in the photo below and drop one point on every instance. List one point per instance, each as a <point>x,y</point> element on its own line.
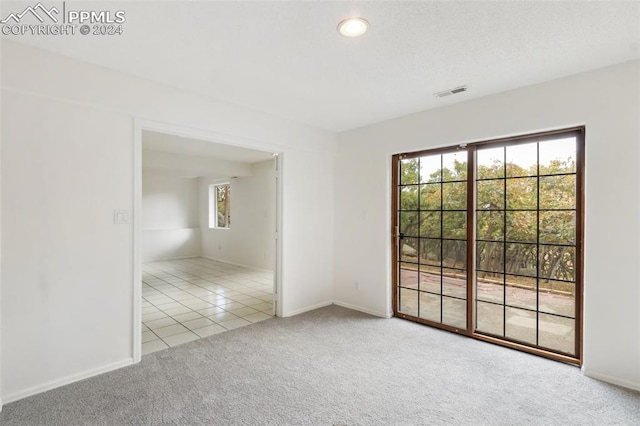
<point>184,300</point>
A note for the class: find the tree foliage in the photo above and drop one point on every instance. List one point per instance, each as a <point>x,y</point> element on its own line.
<point>223,205</point>
<point>525,219</point>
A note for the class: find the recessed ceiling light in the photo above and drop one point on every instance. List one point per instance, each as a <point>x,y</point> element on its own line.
<point>353,27</point>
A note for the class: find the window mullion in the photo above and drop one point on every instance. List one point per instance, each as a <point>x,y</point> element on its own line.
<point>471,230</point>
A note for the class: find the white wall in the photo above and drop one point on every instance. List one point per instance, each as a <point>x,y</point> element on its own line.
<point>179,165</point>
<point>67,270</point>
<point>170,217</point>
<point>250,241</point>
<point>607,102</point>
<point>67,163</point>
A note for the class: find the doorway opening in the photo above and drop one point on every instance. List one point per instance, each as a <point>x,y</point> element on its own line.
<point>207,248</point>
<point>488,241</point>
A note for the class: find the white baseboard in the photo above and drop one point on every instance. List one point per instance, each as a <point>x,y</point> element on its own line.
<point>333,302</point>
<point>610,379</point>
<point>361,309</point>
<point>171,258</point>
<point>228,262</point>
<point>6,399</point>
<point>307,309</point>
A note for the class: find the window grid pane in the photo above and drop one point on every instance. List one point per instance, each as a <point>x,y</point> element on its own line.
<point>432,218</point>
<point>526,243</point>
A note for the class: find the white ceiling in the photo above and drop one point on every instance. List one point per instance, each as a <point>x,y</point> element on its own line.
<point>287,59</point>
<point>162,142</point>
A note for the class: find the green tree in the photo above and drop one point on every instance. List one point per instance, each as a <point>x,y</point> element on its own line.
<point>437,196</point>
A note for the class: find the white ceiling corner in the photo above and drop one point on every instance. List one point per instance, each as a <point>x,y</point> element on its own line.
<point>287,59</point>
<point>172,144</point>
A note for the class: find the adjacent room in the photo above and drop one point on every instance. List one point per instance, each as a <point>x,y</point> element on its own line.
<point>208,256</point>
<point>319,212</point>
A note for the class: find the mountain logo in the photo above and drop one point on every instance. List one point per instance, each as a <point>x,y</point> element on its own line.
<point>39,11</point>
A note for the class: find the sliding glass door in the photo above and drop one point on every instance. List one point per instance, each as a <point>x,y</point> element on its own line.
<point>487,240</point>
<point>432,235</point>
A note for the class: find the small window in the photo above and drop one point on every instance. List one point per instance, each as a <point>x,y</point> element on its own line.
<point>220,205</point>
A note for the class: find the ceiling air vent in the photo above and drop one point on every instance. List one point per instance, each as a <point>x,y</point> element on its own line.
<point>453,91</point>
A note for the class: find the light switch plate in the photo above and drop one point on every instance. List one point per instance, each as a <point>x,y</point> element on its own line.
<point>120,217</point>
